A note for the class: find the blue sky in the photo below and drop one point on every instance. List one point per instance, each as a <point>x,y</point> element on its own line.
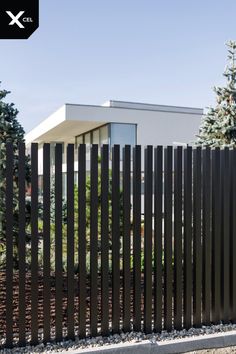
<point>88,51</point>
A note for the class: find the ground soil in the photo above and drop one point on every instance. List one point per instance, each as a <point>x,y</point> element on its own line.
<point>52,302</point>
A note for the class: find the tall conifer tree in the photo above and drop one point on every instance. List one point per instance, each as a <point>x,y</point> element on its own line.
<point>218,126</point>
<point>10,131</point>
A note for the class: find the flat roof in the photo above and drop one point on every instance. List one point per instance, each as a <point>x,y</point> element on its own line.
<point>152,107</point>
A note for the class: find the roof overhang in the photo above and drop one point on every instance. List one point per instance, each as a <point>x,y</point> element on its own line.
<point>59,127</point>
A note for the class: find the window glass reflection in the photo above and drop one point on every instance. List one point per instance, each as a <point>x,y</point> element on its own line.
<point>95,136</point>
<point>104,136</point>
<point>123,134</point>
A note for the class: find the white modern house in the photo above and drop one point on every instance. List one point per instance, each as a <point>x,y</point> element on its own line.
<point>116,122</point>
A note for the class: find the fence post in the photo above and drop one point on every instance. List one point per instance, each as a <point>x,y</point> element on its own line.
<point>70,240</point>
<point>168,274</point>
<point>197,243</point>
<point>137,236</point>
<point>216,236</point>
<point>116,238</point>
<point>126,238</point>
<point>58,240</point>
<point>34,244</point>
<point>94,240</point>
<point>148,240</point>
<point>9,245</point>
<point>158,192</point>
<point>22,270</point>
<point>188,237</point>
<point>178,249</point>
<point>225,235</point>
<point>206,235</point>
<point>82,238</point>
<point>105,239</point>
<point>46,243</point>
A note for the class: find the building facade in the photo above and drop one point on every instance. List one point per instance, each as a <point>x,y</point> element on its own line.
<point>115,122</point>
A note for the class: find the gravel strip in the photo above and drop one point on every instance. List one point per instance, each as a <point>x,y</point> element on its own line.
<point>215,351</point>
<point>132,337</point>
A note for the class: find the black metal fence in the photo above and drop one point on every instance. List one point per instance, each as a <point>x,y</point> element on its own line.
<point>109,267</point>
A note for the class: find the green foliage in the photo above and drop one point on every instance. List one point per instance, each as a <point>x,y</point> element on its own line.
<point>218,126</point>
<point>88,215</point>
<point>10,131</point>
<point>53,204</point>
<point>153,261</point>
<point>76,221</point>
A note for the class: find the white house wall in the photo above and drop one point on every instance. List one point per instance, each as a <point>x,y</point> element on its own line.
<point>153,127</point>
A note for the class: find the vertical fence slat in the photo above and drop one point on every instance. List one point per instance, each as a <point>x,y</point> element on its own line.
<point>225,240</point>
<point>9,245</point>
<point>137,236</point>
<point>94,240</point>
<point>58,240</point>
<point>34,243</point>
<point>178,251</point>
<point>126,238</point>
<point>116,238</point>
<point>82,239</point>
<point>70,240</point>
<point>216,236</point>
<point>148,240</point>
<point>168,239</point>
<point>105,239</point>
<point>46,243</point>
<point>187,237</point>
<point>21,186</point>
<point>233,234</point>
<point>158,168</point>
<point>206,235</point>
<point>197,248</point>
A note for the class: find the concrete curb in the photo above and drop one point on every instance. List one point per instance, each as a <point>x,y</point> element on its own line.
<point>182,345</point>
